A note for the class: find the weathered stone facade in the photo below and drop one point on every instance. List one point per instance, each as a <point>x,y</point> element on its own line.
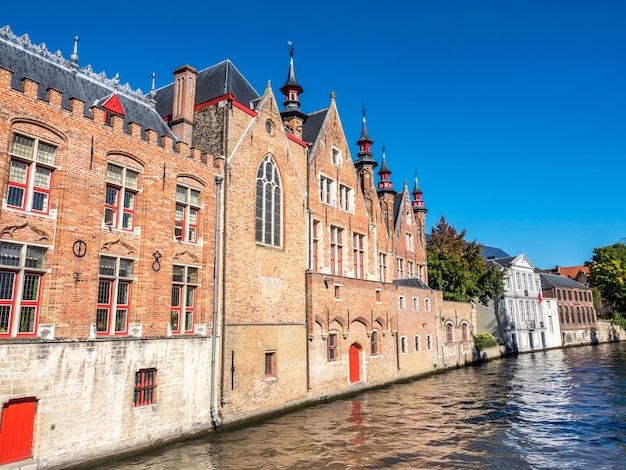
<point>232,264</point>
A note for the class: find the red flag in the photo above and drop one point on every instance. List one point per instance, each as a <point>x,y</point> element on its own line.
<point>540,297</point>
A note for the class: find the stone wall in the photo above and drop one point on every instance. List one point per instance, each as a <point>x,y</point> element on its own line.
<point>84,392</point>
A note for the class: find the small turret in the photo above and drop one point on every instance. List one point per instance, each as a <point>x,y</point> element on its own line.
<point>417,203</point>
<point>293,118</point>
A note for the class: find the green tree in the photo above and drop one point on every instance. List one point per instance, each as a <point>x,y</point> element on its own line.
<point>458,269</point>
<point>607,272</point>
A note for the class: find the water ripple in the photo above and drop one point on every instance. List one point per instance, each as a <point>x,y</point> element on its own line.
<point>560,409</point>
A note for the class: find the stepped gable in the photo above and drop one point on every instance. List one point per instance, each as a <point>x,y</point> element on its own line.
<point>35,62</point>
<point>211,83</point>
<point>313,125</point>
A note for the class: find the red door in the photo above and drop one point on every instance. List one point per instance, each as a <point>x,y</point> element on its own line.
<point>16,430</point>
<point>355,364</point>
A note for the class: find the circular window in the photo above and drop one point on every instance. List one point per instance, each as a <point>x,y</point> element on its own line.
<point>269,127</point>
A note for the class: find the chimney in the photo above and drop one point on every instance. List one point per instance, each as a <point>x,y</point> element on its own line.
<point>183,102</point>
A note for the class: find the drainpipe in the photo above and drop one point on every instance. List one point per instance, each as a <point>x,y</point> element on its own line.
<point>307,272</point>
<point>215,419</point>
<point>223,280</point>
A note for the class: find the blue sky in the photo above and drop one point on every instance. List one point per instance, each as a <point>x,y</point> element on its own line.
<point>513,113</point>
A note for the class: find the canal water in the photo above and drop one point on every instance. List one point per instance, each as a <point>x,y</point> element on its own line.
<point>558,409</point>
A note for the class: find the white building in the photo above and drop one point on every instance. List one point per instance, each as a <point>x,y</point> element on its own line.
<point>522,317</point>
<point>549,309</point>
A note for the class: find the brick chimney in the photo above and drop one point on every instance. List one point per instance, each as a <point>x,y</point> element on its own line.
<point>183,102</point>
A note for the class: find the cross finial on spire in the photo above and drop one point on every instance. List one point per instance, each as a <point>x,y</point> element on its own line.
<point>364,111</point>
<point>415,172</point>
<point>291,49</point>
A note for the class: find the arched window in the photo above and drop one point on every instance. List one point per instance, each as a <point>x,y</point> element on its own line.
<point>464,332</point>
<point>449,333</point>
<point>268,203</point>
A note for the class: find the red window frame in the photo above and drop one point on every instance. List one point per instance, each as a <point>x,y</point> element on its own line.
<point>464,332</point>
<point>186,227</point>
<point>326,188</point>
<point>190,309</point>
<point>382,266</point>
<point>144,392</point>
<point>17,184</point>
<point>315,247</point>
<point>183,303</point>
<point>123,208</point>
<point>20,290</point>
<point>449,333</point>
<point>176,309</point>
<point>357,241</point>
<point>30,156</point>
<point>34,304</point>
<point>336,251</point>
<point>7,304</point>
<point>113,303</point>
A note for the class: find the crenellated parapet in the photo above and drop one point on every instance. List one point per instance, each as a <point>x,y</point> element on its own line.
<point>76,109</point>
<point>57,58</point>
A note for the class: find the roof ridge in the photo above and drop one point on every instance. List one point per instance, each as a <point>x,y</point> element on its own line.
<point>41,51</point>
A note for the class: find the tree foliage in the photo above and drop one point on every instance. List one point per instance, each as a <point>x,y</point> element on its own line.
<point>457,268</point>
<point>607,272</point>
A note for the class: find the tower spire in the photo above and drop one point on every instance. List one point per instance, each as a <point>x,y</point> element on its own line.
<point>365,146</point>
<point>293,118</point>
<point>417,203</point>
<point>384,185</point>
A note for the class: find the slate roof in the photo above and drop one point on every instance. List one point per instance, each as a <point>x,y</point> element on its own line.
<point>313,125</point>
<point>411,282</point>
<point>490,252</point>
<point>212,82</point>
<point>504,262</point>
<point>36,63</point>
<point>548,281</point>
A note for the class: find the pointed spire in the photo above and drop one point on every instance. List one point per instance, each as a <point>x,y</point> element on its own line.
<point>417,203</point>
<point>365,146</point>
<point>385,185</point>
<point>292,89</point>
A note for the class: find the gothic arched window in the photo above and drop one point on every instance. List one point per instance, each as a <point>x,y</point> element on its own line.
<point>268,203</point>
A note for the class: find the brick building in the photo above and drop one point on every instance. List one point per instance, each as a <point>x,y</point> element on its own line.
<point>577,315</point>
<point>190,257</point>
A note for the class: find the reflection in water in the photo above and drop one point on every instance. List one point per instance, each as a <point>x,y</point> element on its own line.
<point>560,409</point>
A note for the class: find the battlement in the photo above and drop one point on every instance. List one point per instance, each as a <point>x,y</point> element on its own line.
<point>57,58</point>
<point>96,114</point>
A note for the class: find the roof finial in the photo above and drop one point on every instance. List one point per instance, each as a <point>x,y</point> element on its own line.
<point>291,49</point>
<point>384,148</point>
<point>152,92</point>
<point>116,81</point>
<point>364,111</point>
<point>74,55</point>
